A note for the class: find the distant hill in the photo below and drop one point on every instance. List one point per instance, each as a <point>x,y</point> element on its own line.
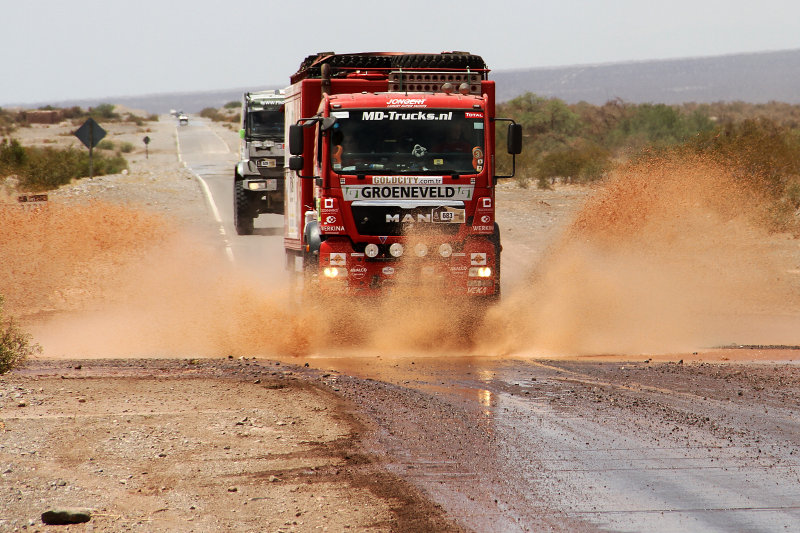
<point>192,102</point>
<point>755,77</point>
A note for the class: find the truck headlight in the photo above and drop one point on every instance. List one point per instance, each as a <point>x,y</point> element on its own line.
<point>334,272</point>
<point>371,250</point>
<point>421,249</point>
<point>396,249</point>
<point>445,250</point>
<point>256,185</point>
<point>480,272</point>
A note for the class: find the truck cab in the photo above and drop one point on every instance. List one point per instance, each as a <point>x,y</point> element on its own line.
<point>392,173</point>
<point>258,176</point>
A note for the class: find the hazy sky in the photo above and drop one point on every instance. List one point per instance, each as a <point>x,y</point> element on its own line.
<point>53,50</point>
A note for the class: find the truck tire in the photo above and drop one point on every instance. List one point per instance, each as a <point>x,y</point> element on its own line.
<point>495,238</point>
<point>242,212</point>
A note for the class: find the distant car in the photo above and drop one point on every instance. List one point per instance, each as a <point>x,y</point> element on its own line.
<point>183,120</point>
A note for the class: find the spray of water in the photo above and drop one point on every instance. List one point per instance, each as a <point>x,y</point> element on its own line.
<point>666,256</point>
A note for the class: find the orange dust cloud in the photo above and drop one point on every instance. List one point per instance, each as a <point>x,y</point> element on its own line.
<point>667,256</point>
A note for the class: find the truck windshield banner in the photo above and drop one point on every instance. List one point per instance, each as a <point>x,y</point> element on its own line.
<point>407,192</point>
<point>399,115</point>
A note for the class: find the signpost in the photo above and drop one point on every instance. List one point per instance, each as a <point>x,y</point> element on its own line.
<point>90,133</point>
<point>146,150</point>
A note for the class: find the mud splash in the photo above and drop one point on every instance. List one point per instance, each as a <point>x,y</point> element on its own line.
<point>668,256</point>
<point>108,281</point>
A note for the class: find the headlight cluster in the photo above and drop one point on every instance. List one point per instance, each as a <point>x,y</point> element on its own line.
<point>334,272</point>
<point>397,250</point>
<point>480,272</point>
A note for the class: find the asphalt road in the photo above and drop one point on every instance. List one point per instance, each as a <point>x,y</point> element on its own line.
<point>212,159</point>
<point>532,445</point>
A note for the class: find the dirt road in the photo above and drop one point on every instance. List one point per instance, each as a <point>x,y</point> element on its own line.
<point>160,407</point>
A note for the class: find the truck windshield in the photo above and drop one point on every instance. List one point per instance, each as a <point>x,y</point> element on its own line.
<point>265,123</point>
<point>389,141</point>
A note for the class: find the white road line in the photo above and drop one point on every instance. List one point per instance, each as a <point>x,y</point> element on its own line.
<point>227,148</point>
<point>209,199</point>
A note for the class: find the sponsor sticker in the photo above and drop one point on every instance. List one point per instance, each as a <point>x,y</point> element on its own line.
<point>406,102</point>
<point>406,180</point>
<point>477,290</point>
<point>406,115</point>
<point>358,272</point>
<point>407,192</point>
<point>388,271</point>
<point>338,259</point>
<point>473,114</point>
<point>477,259</point>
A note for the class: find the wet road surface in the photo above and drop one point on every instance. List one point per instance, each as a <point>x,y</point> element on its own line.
<point>526,445</point>
<point>532,445</point>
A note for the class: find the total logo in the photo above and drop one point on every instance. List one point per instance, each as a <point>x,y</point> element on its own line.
<point>388,271</point>
<point>330,219</point>
<point>486,219</point>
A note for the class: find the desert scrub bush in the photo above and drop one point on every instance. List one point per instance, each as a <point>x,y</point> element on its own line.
<point>104,112</point>
<point>105,144</point>
<point>15,345</point>
<point>235,104</point>
<point>41,169</point>
<point>212,113</point>
<point>582,163</point>
<point>126,147</point>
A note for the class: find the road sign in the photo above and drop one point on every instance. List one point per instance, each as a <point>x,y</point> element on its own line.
<point>146,150</point>
<point>90,133</point>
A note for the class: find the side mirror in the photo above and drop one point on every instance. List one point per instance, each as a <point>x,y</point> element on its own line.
<point>515,138</point>
<point>295,141</point>
<point>327,123</point>
<point>296,162</point>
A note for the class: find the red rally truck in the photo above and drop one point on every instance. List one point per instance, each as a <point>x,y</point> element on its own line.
<point>392,172</point>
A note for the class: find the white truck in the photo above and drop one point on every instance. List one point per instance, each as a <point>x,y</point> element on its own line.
<point>258,176</point>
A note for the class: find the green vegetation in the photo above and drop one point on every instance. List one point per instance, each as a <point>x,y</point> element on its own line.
<point>101,113</point>
<point>582,143</point>
<point>104,112</point>
<point>15,345</point>
<point>42,169</point>
<point>217,116</point>
<point>233,105</point>
<point>105,144</point>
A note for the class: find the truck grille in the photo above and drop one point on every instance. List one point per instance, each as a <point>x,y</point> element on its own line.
<point>395,220</point>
